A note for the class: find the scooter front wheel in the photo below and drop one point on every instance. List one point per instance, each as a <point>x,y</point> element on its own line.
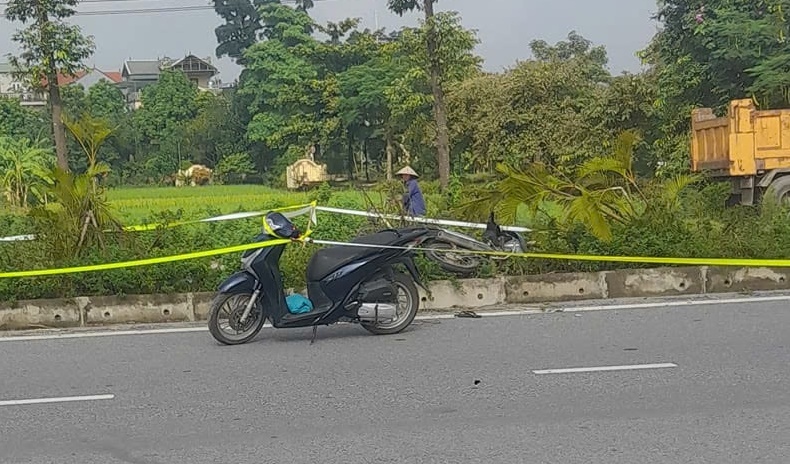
<point>408,304</point>
<point>224,321</point>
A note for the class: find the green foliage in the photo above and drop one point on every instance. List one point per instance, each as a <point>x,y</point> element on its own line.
<point>600,194</point>
<point>18,121</point>
<point>90,132</point>
<point>50,46</point>
<point>234,168</point>
<point>24,165</point>
<point>707,54</point>
<point>166,106</point>
<point>78,214</point>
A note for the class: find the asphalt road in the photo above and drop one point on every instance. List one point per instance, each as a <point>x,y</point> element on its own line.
<point>449,391</point>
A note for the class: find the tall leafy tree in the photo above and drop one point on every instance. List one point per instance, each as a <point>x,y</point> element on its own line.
<point>167,108</point>
<point>281,82</point>
<point>400,7</point>
<point>49,46</point>
<point>547,109</point>
<point>243,24</point>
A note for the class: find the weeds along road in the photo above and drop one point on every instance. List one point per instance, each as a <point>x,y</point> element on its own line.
<point>682,384</point>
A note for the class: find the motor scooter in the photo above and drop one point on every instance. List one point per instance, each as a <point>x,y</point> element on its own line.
<point>441,243</point>
<point>345,283</point>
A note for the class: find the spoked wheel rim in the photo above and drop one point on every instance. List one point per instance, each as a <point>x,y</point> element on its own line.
<point>403,309</point>
<point>460,260</point>
<point>229,318</point>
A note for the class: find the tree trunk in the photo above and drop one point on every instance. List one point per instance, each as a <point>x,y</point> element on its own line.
<point>352,163</point>
<point>58,130</point>
<point>439,110</point>
<point>389,156</point>
<point>57,122</point>
<point>366,159</point>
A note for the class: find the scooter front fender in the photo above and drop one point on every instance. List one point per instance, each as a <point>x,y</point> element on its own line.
<point>240,282</point>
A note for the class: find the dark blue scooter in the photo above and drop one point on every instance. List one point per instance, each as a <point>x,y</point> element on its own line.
<point>344,284</point>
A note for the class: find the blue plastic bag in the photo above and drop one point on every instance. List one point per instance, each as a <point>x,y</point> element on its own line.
<point>298,304</point>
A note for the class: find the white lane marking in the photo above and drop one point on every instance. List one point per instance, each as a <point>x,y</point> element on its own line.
<point>63,399</point>
<point>672,304</point>
<point>483,313</point>
<point>604,368</point>
<point>106,333</point>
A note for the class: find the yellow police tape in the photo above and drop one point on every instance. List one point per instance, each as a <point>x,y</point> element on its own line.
<point>296,210</point>
<point>291,211</point>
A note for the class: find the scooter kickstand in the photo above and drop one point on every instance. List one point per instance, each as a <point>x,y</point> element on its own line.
<point>315,329</point>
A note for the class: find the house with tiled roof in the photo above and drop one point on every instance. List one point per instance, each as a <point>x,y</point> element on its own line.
<point>87,78</point>
<point>11,87</point>
<point>138,74</point>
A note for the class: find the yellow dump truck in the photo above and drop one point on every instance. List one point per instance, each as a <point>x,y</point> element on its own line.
<point>747,147</point>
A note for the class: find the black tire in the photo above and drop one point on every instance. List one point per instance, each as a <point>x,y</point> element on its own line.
<point>406,283</point>
<point>254,327</point>
<point>468,264</point>
<point>780,189</point>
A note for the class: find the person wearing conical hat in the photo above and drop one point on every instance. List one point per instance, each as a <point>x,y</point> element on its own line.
<point>413,201</point>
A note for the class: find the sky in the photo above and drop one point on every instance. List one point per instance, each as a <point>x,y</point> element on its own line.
<point>505,28</point>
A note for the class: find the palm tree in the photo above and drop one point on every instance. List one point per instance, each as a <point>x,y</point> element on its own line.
<point>602,192</point>
<point>81,212</point>
<point>24,165</point>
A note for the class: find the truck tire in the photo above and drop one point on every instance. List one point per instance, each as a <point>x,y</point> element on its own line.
<point>780,189</point>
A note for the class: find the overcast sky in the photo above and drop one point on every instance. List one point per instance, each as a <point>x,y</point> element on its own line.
<point>505,28</point>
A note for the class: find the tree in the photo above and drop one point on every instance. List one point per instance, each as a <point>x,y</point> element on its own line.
<point>24,165</point>
<point>364,104</point>
<point>548,109</point>
<point>105,100</point>
<point>167,108</point>
<point>435,70</point>
<point>50,47</point>
<point>707,54</point>
<point>600,194</point>
<point>17,121</point>
<point>288,86</point>
<point>234,168</point>
<point>84,214</point>
<point>90,133</point>
<point>243,23</point>
<point>215,131</point>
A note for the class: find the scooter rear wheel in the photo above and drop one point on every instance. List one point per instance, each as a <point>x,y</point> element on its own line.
<point>458,263</point>
<point>408,305</point>
<point>226,310</point>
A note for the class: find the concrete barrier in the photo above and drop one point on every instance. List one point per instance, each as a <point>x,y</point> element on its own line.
<point>724,280</point>
<point>556,287</point>
<point>472,293</point>
<point>655,282</point>
<point>41,314</point>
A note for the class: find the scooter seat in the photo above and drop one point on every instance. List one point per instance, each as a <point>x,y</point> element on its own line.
<point>327,260</point>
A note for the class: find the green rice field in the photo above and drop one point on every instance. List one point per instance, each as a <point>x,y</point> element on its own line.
<point>139,204</point>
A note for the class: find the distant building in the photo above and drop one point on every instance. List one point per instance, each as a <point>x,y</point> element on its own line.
<point>14,88</point>
<point>11,87</point>
<point>138,74</point>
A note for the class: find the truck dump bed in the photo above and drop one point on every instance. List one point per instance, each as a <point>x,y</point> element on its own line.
<point>746,142</point>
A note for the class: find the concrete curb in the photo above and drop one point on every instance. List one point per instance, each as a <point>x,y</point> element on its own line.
<point>471,293</point>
